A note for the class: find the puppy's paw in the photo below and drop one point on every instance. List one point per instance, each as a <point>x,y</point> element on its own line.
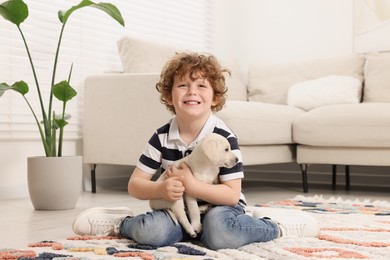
<point>197,227</point>
<point>205,208</point>
<point>190,230</point>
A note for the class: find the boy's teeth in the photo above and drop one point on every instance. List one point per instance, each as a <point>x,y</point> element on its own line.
<point>191,102</point>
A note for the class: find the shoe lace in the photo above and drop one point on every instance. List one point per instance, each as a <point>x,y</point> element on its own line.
<point>293,230</point>
<point>103,227</point>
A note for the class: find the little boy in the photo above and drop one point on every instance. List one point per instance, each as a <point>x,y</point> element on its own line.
<point>192,87</point>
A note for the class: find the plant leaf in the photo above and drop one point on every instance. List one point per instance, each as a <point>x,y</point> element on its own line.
<point>63,91</point>
<point>20,87</point>
<point>3,88</point>
<point>108,8</point>
<point>60,123</point>
<point>15,11</point>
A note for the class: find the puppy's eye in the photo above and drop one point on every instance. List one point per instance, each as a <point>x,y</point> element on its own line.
<point>226,149</point>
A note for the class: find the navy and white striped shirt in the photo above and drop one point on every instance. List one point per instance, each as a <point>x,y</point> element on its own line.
<point>166,147</point>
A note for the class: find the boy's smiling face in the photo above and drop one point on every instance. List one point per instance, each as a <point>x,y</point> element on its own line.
<point>192,97</point>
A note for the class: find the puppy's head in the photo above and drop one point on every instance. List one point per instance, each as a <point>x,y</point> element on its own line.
<point>217,149</point>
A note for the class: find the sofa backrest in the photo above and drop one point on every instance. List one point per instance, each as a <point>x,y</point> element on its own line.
<point>141,56</point>
<point>270,83</point>
<point>377,78</point>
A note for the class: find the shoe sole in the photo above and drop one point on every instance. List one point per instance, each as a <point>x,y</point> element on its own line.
<point>116,211</point>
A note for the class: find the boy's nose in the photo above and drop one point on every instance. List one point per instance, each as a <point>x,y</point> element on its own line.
<point>192,89</point>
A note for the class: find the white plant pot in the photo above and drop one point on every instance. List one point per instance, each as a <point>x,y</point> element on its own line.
<point>54,183</point>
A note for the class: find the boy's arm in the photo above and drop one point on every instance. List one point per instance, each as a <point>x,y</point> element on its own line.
<point>226,193</point>
<point>142,187</point>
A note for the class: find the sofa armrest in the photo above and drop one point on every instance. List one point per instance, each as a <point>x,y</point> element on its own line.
<point>121,112</point>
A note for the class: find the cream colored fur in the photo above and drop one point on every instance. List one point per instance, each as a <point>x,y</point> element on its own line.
<point>204,161</point>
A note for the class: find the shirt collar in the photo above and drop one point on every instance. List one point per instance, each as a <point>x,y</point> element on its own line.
<point>207,129</point>
<point>174,129</point>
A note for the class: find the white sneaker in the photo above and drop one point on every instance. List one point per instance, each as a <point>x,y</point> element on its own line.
<point>292,223</point>
<point>100,221</point>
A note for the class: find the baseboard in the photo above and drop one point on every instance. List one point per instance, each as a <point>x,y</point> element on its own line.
<point>116,177</point>
<point>112,177</point>
<point>320,174</point>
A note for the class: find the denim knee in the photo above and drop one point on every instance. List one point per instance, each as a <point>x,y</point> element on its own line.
<point>154,228</point>
<point>218,230</point>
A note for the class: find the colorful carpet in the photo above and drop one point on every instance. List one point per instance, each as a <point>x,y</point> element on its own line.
<point>349,230</point>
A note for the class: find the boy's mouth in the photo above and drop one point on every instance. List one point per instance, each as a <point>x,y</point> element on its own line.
<point>192,102</point>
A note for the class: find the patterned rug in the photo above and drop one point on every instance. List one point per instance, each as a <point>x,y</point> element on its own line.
<point>349,230</point>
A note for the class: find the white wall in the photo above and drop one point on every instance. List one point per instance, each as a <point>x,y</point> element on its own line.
<point>265,30</point>
<point>283,30</point>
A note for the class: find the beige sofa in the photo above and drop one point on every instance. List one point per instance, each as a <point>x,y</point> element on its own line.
<point>331,111</point>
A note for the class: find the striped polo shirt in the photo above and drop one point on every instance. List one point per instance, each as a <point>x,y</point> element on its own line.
<point>165,147</point>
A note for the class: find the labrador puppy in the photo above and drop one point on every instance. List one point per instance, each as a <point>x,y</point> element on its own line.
<point>205,160</point>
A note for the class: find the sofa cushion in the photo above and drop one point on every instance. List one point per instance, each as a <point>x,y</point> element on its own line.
<point>141,56</point>
<point>377,78</point>
<point>270,82</point>
<point>351,125</point>
<point>257,123</point>
<point>324,91</point>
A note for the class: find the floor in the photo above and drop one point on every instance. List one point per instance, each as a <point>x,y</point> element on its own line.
<point>20,224</point>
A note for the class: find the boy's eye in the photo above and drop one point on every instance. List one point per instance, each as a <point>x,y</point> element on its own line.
<point>202,86</point>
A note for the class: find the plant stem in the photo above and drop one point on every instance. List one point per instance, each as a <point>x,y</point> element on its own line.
<point>55,69</point>
<point>46,123</point>
<point>53,137</point>
<point>45,144</point>
<point>60,139</point>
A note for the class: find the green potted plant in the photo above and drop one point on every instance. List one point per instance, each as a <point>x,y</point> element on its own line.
<point>16,12</point>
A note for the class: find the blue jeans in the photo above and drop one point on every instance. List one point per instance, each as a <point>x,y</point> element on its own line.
<point>223,227</point>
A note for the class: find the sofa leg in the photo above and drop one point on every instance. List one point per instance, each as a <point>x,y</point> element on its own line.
<point>334,173</point>
<point>304,177</point>
<point>347,181</point>
<point>93,177</point>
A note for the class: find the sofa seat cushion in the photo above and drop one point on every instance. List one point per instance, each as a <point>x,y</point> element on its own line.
<point>257,123</point>
<point>346,125</point>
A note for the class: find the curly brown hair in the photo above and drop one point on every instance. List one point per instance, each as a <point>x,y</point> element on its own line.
<point>197,65</point>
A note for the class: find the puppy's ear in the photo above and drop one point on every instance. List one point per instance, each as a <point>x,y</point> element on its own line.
<point>210,149</point>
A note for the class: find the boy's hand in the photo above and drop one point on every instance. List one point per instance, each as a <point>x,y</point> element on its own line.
<point>183,172</point>
<point>172,189</point>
